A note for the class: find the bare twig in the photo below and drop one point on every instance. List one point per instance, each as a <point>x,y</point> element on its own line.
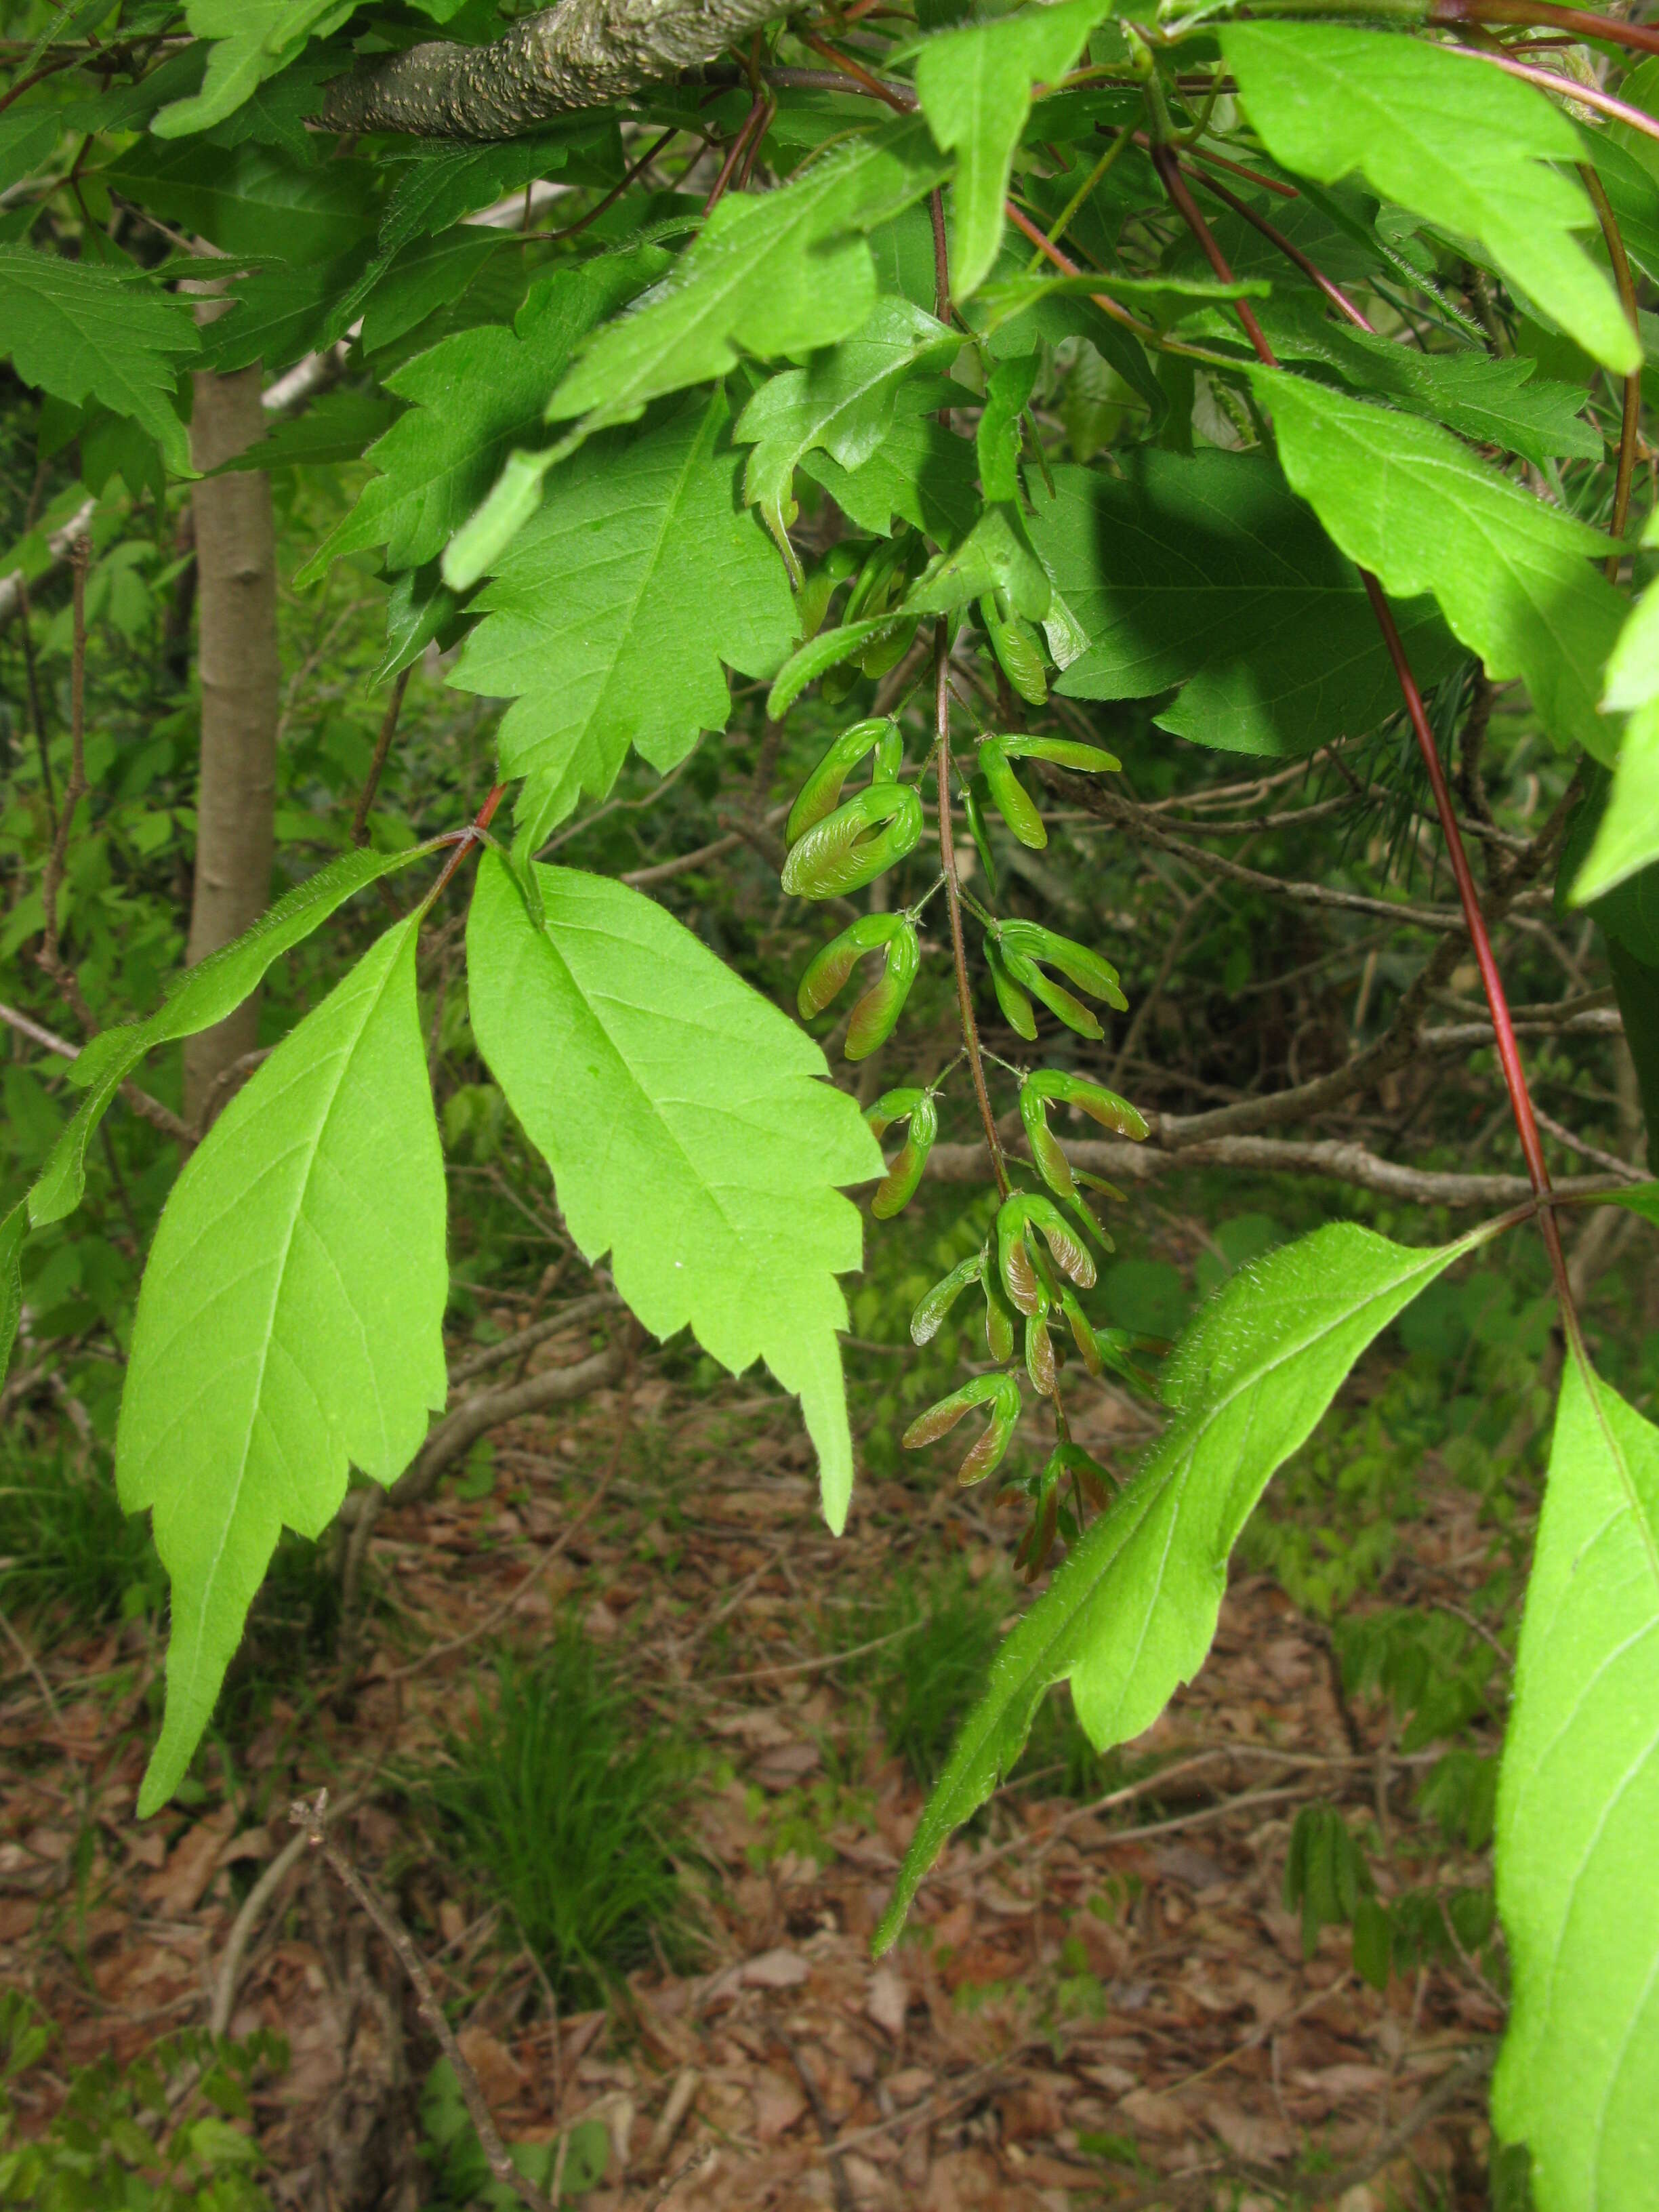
<point>148,1109</point>
<point>826,2126</point>
<point>382,747</point>
<point>310,1816</point>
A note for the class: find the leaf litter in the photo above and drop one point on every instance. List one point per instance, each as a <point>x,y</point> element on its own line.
<point>1092,2004</point>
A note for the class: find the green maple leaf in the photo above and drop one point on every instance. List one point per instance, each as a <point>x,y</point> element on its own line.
<point>290,1321</point>
<point>82,332</point>
<point>843,403</point>
<point>253,41</point>
<point>1514,577</point>
<point>1203,570</point>
<point>1449,138</point>
<point>473,396</point>
<point>1490,401</point>
<point>1577,2079</point>
<point>608,617</point>
<point>974,87</point>
<point>1628,837</point>
<point>770,273</point>
<point>687,1126</point>
<point>1130,1613</point>
<point>921,472</point>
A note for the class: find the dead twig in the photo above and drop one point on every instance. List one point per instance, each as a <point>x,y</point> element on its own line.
<point>310,1814</point>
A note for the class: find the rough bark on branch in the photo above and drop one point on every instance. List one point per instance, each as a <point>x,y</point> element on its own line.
<point>1336,1157</point>
<point>580,54</point>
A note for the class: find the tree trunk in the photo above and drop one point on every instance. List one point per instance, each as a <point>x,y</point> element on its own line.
<point>236,803</point>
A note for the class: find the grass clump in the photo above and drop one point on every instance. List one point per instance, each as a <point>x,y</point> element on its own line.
<point>926,1680</point>
<point>574,1810</point>
<point>65,1545</point>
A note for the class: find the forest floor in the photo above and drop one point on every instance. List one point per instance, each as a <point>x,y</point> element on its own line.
<point>1095,2003</point>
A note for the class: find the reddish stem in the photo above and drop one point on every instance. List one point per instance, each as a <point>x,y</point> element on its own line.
<point>861,78</point>
<point>465,839</point>
<point>1169,169</point>
<point>1508,1051</point>
<point>1063,262</point>
<point>1579,21</point>
<point>941,258</point>
<point>1334,292</point>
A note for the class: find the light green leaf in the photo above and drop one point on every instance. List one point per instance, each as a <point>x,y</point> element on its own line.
<point>474,396</point>
<point>81,332</point>
<point>13,1228</point>
<point>687,1126</point>
<point>842,401</point>
<point>995,557</point>
<point>200,997</point>
<point>1628,837</point>
<point>1449,138</point>
<point>1205,570</point>
<point>974,87</point>
<point>290,1321</point>
<point>608,615</point>
<point>921,472</point>
<point>1577,2079</point>
<point>1131,1612</point>
<point>1513,576</point>
<point>770,273</point>
<point>1493,402</point>
<point>254,39</point>
<point>998,438</point>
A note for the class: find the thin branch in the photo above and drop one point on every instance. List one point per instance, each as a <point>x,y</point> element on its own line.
<point>583,53</point>
<point>1508,1051</point>
<point>382,747</point>
<point>1339,1159</point>
<point>947,858</point>
<point>309,1816</point>
<point>1630,427</point>
<point>148,1109</point>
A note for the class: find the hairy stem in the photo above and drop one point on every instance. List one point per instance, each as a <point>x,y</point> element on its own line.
<point>947,856</point>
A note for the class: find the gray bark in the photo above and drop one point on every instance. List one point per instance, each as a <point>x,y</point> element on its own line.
<point>236,800</point>
<point>580,54</point>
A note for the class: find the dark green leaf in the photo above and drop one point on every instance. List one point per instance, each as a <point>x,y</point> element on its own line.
<point>1203,570</point>
<point>1514,577</point>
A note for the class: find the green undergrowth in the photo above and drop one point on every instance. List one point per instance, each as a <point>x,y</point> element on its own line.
<point>66,1548</point>
<point>159,2134</point>
<point>564,1803</point>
